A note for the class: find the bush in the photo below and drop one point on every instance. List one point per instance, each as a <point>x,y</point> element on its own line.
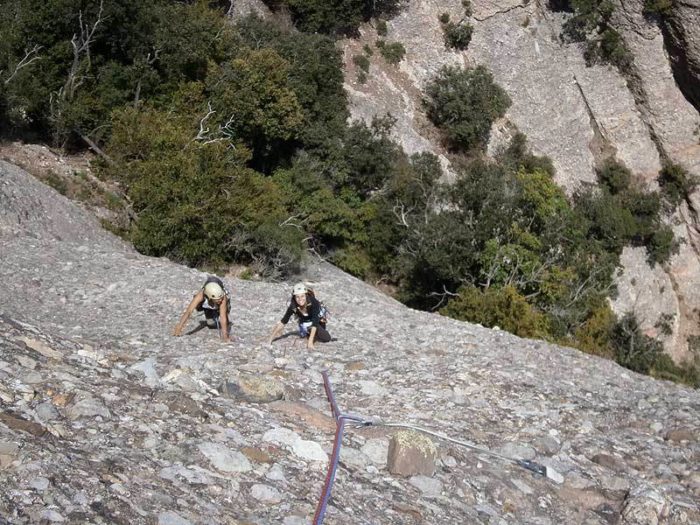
<point>662,245</point>
<point>676,184</point>
<point>467,5</point>
<point>502,307</point>
<point>516,157</point>
<point>464,104</point>
<point>593,335</point>
<point>614,176</point>
<point>633,349</point>
<point>393,52</point>
<point>382,28</point>
<point>444,18</point>
<point>654,8</point>
<point>687,372</point>
<point>362,62</point>
<point>457,36</point>
<point>334,17</point>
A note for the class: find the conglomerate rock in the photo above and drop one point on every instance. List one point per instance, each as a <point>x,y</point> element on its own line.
<point>107,418</point>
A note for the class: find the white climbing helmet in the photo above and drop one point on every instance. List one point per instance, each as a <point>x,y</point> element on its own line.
<point>213,292</point>
<point>299,289</point>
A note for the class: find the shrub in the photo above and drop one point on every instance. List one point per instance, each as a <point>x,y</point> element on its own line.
<point>362,62</point>
<point>614,176</point>
<point>654,8</point>
<point>382,28</point>
<point>687,372</point>
<point>444,18</point>
<point>393,52</point>
<point>676,184</point>
<point>593,335</point>
<point>463,103</point>
<point>503,307</point>
<point>633,349</point>
<point>467,5</point>
<point>335,17</point>
<point>457,36</point>
<point>516,157</point>
<point>662,245</point>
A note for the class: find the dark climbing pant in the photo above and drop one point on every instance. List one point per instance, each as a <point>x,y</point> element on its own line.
<point>322,335</point>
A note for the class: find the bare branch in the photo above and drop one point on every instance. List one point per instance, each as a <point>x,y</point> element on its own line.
<point>444,295</point>
<point>28,59</point>
<point>81,47</point>
<point>203,132</point>
<point>289,222</point>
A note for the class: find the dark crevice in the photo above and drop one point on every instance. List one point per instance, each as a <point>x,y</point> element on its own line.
<point>685,73</point>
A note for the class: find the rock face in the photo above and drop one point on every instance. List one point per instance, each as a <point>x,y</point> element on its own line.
<point>576,115</point>
<point>107,418</point>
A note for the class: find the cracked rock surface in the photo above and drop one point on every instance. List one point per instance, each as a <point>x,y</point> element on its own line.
<point>107,418</point>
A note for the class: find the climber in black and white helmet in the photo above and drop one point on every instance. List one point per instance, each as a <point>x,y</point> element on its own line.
<point>311,314</point>
<point>213,300</point>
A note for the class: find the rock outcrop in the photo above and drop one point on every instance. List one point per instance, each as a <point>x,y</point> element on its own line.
<point>107,418</point>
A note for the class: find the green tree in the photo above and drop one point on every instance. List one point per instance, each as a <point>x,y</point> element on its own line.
<point>197,202</point>
<point>254,102</point>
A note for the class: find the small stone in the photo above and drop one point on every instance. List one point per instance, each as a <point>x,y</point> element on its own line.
<point>46,411</point>
<point>372,388</point>
<point>522,486</point>
<point>644,506</point>
<point>309,450</point>
<point>353,458</point>
<point>517,451</point>
<point>254,389</point>
<point>555,476</point>
<point>85,405</point>
<point>224,459</point>
<point>681,434</point>
<point>265,494</point>
<point>657,427</point>
<point>411,453</point>
<point>148,368</point>
<point>294,520</point>
<point>9,448</point>
<point>611,462</point>
<point>376,450</point>
<point>276,474</point>
<point>39,484</point>
<point>547,445</point>
<point>52,516</point>
<point>172,518</point>
<point>429,487</point>
<point>614,485</point>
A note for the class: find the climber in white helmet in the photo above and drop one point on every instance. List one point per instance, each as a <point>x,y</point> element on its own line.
<point>213,300</point>
<point>312,316</point>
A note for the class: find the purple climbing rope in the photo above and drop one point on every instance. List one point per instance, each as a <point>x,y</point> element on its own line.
<point>340,420</point>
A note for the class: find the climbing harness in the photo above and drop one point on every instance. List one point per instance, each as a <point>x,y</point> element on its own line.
<point>359,422</point>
